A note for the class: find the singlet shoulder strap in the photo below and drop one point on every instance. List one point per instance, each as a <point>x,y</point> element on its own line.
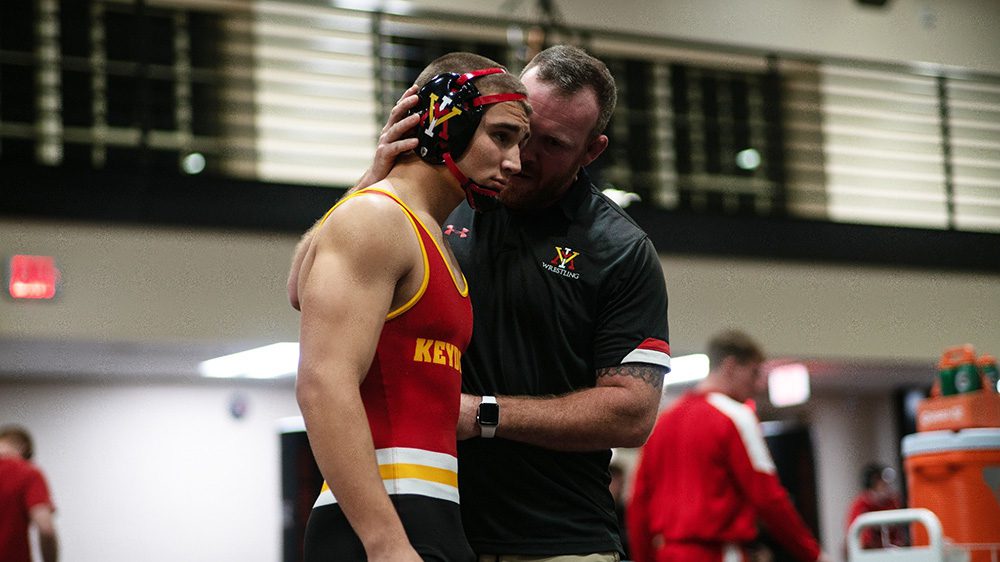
<point>421,231</point>
<point>463,286</point>
<point>415,223</point>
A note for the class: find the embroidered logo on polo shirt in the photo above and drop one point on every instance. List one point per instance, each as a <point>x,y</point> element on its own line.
<point>564,258</point>
<point>450,229</point>
<point>563,264</point>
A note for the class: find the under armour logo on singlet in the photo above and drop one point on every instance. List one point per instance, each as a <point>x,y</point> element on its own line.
<point>450,229</point>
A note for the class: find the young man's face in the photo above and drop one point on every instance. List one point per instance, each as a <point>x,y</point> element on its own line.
<point>493,155</point>
<point>559,145</point>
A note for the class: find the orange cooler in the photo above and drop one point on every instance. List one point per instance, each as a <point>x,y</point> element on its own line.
<point>956,474</point>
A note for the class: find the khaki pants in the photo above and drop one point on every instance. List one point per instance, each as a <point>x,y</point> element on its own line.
<point>601,557</point>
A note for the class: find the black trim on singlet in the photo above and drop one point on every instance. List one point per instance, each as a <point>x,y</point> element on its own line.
<point>433,526</point>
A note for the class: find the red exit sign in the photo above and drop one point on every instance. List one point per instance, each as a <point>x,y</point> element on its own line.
<point>32,277</point>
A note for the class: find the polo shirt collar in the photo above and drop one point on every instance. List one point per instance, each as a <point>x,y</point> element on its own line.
<point>575,195</point>
<point>565,208</point>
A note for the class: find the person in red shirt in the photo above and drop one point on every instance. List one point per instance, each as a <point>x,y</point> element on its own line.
<point>877,495</point>
<point>24,500</point>
<point>705,475</point>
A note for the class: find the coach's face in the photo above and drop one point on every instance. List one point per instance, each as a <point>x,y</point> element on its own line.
<point>560,144</point>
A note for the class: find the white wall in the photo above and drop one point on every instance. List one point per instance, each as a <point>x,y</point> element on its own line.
<point>157,472</point>
<point>134,284</point>
<point>847,432</point>
<point>831,310</point>
<point>153,284</point>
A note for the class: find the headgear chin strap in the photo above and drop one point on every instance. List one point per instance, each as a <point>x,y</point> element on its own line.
<point>480,198</point>
<point>451,108</point>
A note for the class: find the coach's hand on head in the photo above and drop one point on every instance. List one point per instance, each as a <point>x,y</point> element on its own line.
<point>395,138</point>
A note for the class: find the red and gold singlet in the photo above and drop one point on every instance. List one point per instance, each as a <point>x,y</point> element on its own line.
<point>412,390</point>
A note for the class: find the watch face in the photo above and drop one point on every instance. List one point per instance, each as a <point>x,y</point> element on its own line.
<point>489,414</point>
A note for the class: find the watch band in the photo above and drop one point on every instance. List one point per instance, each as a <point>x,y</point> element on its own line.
<point>488,424</point>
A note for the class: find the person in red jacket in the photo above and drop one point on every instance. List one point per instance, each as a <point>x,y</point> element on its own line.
<point>877,494</point>
<point>24,500</point>
<point>705,476</point>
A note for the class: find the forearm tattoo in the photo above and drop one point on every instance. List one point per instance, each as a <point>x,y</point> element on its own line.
<point>652,374</point>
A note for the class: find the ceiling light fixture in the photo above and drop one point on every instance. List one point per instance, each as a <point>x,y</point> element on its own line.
<point>788,385</point>
<point>267,362</point>
<point>687,368</point>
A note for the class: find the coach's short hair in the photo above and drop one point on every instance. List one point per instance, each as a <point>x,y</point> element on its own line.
<point>570,69</point>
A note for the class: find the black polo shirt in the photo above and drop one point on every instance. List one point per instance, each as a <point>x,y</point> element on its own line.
<point>556,295</point>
